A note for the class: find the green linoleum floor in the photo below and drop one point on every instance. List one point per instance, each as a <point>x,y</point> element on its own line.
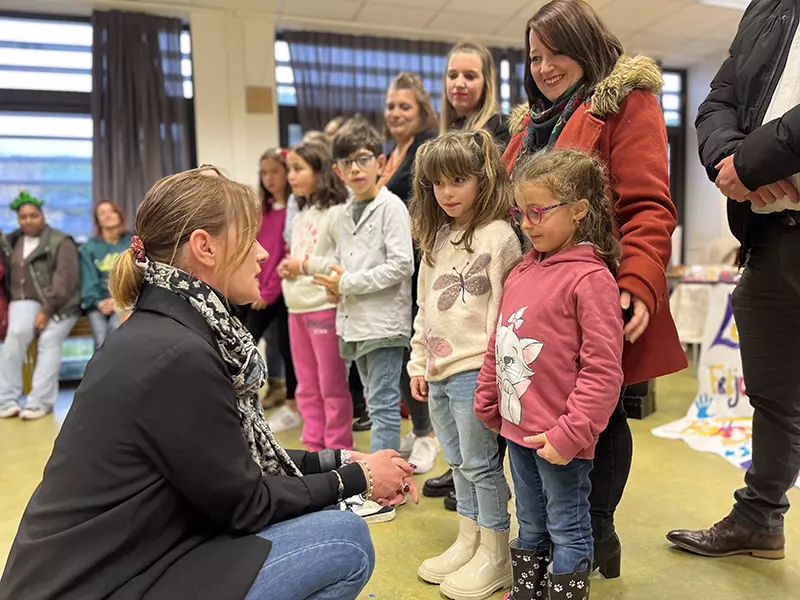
<point>671,486</point>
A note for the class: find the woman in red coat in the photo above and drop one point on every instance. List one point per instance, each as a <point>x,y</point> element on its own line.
<point>583,93</point>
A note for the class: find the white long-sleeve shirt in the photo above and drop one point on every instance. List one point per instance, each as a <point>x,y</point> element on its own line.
<point>314,238</point>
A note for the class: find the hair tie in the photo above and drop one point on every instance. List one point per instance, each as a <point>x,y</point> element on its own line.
<point>284,152</point>
<point>477,136</point>
<point>137,245</point>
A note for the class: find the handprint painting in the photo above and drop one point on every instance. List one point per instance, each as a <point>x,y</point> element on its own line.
<point>720,420</point>
<point>514,358</point>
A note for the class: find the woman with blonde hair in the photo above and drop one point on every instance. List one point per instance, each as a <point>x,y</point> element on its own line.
<point>469,101</point>
<point>165,473</point>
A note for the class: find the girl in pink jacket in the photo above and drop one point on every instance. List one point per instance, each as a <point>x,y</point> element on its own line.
<point>552,373</point>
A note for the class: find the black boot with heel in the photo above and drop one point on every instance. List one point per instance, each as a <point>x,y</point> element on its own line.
<point>607,548</point>
<point>529,573</point>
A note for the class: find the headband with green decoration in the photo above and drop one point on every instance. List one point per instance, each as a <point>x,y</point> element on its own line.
<point>25,198</point>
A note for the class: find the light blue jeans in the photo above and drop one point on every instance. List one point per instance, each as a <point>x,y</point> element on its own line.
<point>380,373</point>
<point>102,325</point>
<point>21,320</point>
<point>471,450</point>
<point>326,555</point>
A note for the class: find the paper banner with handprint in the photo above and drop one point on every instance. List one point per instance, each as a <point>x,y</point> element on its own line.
<point>720,419</point>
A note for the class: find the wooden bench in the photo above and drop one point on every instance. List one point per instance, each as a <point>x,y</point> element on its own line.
<point>81,329</point>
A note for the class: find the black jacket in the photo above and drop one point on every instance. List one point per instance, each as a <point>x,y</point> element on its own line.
<point>151,491</point>
<point>497,125</point>
<point>400,183</point>
<point>729,120</point>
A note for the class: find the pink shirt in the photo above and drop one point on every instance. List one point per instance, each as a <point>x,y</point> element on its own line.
<point>270,236</point>
<point>553,364</point>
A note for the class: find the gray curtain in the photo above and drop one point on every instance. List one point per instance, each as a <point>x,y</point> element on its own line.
<point>141,129</point>
<point>337,74</point>
<point>516,74</point>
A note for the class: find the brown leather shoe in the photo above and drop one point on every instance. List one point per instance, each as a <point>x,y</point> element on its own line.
<point>726,538</point>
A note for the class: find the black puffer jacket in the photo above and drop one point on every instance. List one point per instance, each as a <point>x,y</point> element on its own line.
<point>729,120</point>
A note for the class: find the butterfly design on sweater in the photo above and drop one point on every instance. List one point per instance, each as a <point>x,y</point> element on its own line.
<point>438,347</point>
<point>514,357</point>
<point>469,280</point>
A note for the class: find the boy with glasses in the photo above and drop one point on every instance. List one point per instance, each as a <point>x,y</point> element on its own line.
<point>372,283</point>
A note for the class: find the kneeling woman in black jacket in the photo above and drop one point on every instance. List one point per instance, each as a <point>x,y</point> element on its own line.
<point>165,481</point>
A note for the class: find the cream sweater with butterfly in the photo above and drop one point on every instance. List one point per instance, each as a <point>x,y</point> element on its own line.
<point>458,298</point>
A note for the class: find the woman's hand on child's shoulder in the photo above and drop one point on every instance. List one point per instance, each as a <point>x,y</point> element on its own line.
<point>419,389</point>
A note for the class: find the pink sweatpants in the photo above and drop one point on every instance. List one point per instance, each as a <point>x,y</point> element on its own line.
<point>323,394</point>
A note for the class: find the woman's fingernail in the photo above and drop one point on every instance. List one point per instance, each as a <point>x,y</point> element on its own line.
<point>412,466</point>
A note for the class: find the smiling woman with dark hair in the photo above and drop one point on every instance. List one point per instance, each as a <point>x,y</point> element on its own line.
<point>42,281</point>
<point>583,93</point>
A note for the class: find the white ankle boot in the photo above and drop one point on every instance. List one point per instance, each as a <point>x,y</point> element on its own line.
<point>488,571</point>
<point>435,569</point>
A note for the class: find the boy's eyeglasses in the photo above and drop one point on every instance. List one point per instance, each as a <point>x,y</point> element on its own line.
<point>362,161</point>
<point>534,214</point>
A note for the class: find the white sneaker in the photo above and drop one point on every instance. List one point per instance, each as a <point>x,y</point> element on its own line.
<point>407,444</point>
<point>10,412</point>
<point>424,454</point>
<point>372,512</point>
<point>32,414</point>
<point>284,419</point>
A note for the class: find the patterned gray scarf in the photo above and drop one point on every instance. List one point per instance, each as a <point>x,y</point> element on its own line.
<point>245,365</point>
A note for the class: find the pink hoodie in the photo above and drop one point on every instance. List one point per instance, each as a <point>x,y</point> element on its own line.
<point>554,361</point>
<point>270,237</point>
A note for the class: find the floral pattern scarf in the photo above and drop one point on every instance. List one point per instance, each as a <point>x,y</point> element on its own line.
<point>245,365</point>
<point>549,121</point>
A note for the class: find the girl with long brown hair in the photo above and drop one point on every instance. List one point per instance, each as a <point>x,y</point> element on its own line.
<point>323,394</point>
<point>461,223</point>
<point>267,316</point>
<point>552,372</point>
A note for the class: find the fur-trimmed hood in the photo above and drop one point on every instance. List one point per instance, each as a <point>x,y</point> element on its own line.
<point>630,73</point>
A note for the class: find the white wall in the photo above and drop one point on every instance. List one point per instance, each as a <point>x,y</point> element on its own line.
<point>231,51</point>
<point>705,219</point>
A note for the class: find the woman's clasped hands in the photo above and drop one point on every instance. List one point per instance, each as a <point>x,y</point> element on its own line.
<point>391,477</point>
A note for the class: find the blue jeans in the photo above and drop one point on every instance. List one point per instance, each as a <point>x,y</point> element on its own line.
<point>21,321</point>
<point>471,451</point>
<point>380,374</point>
<point>102,325</point>
<point>553,507</point>
<point>326,555</point>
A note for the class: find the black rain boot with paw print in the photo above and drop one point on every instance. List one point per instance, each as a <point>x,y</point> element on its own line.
<point>529,571</point>
<point>571,586</point>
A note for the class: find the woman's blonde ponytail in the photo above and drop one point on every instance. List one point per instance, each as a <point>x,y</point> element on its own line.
<point>172,210</point>
<point>125,282</point>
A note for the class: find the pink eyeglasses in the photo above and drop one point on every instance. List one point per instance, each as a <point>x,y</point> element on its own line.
<point>534,214</point>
